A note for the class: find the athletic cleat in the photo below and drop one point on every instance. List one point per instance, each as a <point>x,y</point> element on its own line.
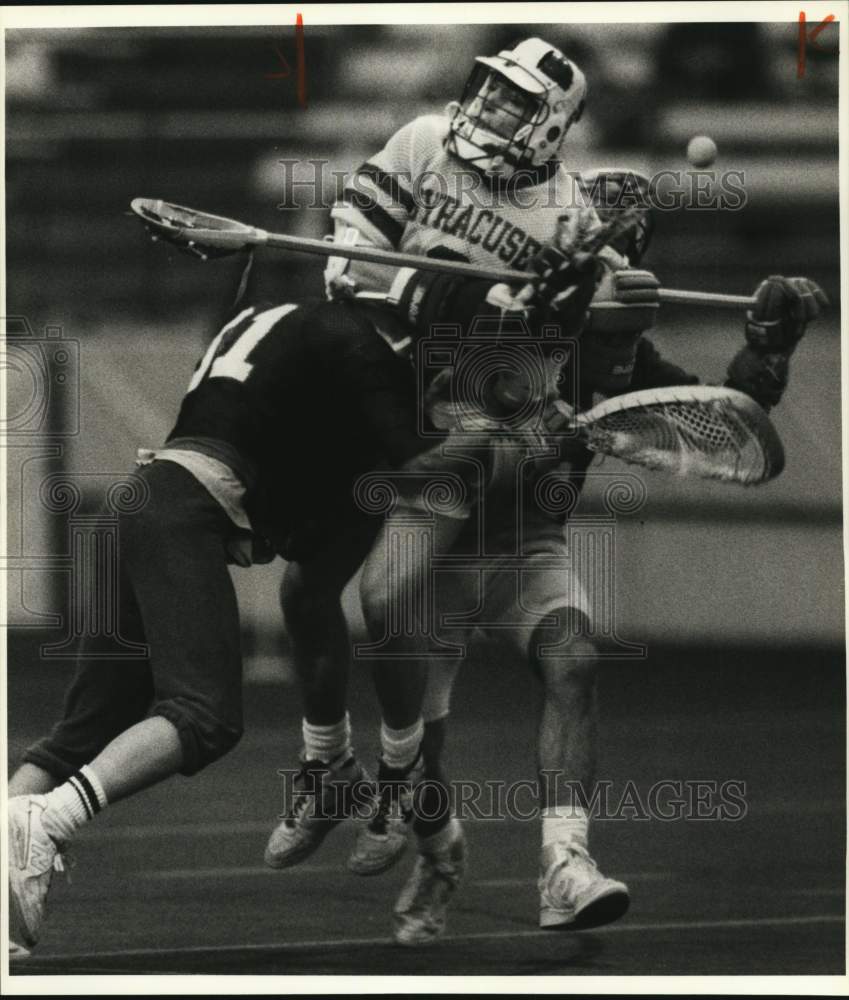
<point>573,892</point>
<point>17,952</point>
<point>33,857</point>
<point>422,907</point>
<point>382,840</point>
<point>326,795</point>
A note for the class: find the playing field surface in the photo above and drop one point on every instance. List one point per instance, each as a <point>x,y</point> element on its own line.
<point>173,881</point>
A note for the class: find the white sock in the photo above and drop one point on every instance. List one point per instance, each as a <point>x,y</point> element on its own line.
<point>73,804</point>
<point>400,746</point>
<point>325,743</point>
<point>565,824</point>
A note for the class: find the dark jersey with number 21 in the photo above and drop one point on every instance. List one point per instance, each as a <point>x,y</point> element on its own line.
<point>309,398</point>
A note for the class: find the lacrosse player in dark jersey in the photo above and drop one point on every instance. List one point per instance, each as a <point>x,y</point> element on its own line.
<point>287,407</point>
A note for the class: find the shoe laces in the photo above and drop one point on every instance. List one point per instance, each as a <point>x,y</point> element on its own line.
<point>308,780</point>
<point>65,862</point>
<point>577,863</point>
<point>305,787</point>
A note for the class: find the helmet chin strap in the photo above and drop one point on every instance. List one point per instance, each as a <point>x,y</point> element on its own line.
<point>497,165</point>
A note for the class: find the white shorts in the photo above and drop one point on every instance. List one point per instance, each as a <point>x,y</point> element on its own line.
<point>506,598</point>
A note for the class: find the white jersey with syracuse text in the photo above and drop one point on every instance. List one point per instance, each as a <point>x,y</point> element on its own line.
<point>415,197</point>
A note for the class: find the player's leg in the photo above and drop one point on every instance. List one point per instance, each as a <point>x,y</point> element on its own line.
<point>414,693</point>
<point>432,807</point>
<point>397,592</point>
<point>567,734</point>
<point>422,907</point>
<point>104,698</point>
<point>330,784</point>
<point>178,566</point>
<point>173,553</point>
<point>311,601</point>
<point>573,891</point>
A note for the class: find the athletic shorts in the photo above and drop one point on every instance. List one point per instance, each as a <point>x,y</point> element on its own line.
<point>507,599</point>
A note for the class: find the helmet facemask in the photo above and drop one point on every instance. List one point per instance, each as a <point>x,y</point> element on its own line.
<point>496,119</point>
<point>516,109</point>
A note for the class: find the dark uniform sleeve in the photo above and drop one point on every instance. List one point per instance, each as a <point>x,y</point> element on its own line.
<point>378,386</point>
<point>650,371</point>
<point>765,384</point>
<point>387,404</point>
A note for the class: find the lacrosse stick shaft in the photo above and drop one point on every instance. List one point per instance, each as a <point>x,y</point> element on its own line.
<point>230,235</point>
<point>396,259</point>
<point>391,258</point>
<point>706,298</point>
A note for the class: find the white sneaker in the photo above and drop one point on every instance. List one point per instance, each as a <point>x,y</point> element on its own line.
<point>382,839</point>
<point>33,857</point>
<point>421,910</point>
<point>326,795</point>
<point>574,893</point>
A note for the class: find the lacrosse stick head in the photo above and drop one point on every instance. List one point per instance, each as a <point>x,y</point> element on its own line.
<point>198,233</point>
<point>622,197</point>
<point>707,431</point>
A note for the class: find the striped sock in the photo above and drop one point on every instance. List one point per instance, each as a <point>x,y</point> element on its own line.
<point>72,804</point>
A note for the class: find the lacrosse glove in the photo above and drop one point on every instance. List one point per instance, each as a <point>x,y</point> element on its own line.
<point>783,309</point>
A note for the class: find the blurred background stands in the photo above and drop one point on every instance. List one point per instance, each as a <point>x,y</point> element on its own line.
<point>95,118</point>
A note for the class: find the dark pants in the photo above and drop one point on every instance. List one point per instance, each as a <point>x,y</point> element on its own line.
<point>175,595</point>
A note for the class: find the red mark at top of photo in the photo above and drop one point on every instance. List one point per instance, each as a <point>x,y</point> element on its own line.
<point>807,38</point>
<point>300,64</point>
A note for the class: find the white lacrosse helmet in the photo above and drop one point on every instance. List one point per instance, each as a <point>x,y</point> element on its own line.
<point>516,108</point>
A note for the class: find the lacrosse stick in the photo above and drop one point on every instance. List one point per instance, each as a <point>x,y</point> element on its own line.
<point>701,430</point>
<point>206,236</point>
<point>691,430</point>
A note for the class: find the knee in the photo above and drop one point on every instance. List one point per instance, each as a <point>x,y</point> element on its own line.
<point>205,734</point>
<point>566,661</point>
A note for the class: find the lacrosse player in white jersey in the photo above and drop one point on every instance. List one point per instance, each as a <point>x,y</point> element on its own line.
<point>484,183</point>
<point>542,609</point>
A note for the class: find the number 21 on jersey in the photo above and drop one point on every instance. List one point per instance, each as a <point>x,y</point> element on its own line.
<point>228,358</point>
